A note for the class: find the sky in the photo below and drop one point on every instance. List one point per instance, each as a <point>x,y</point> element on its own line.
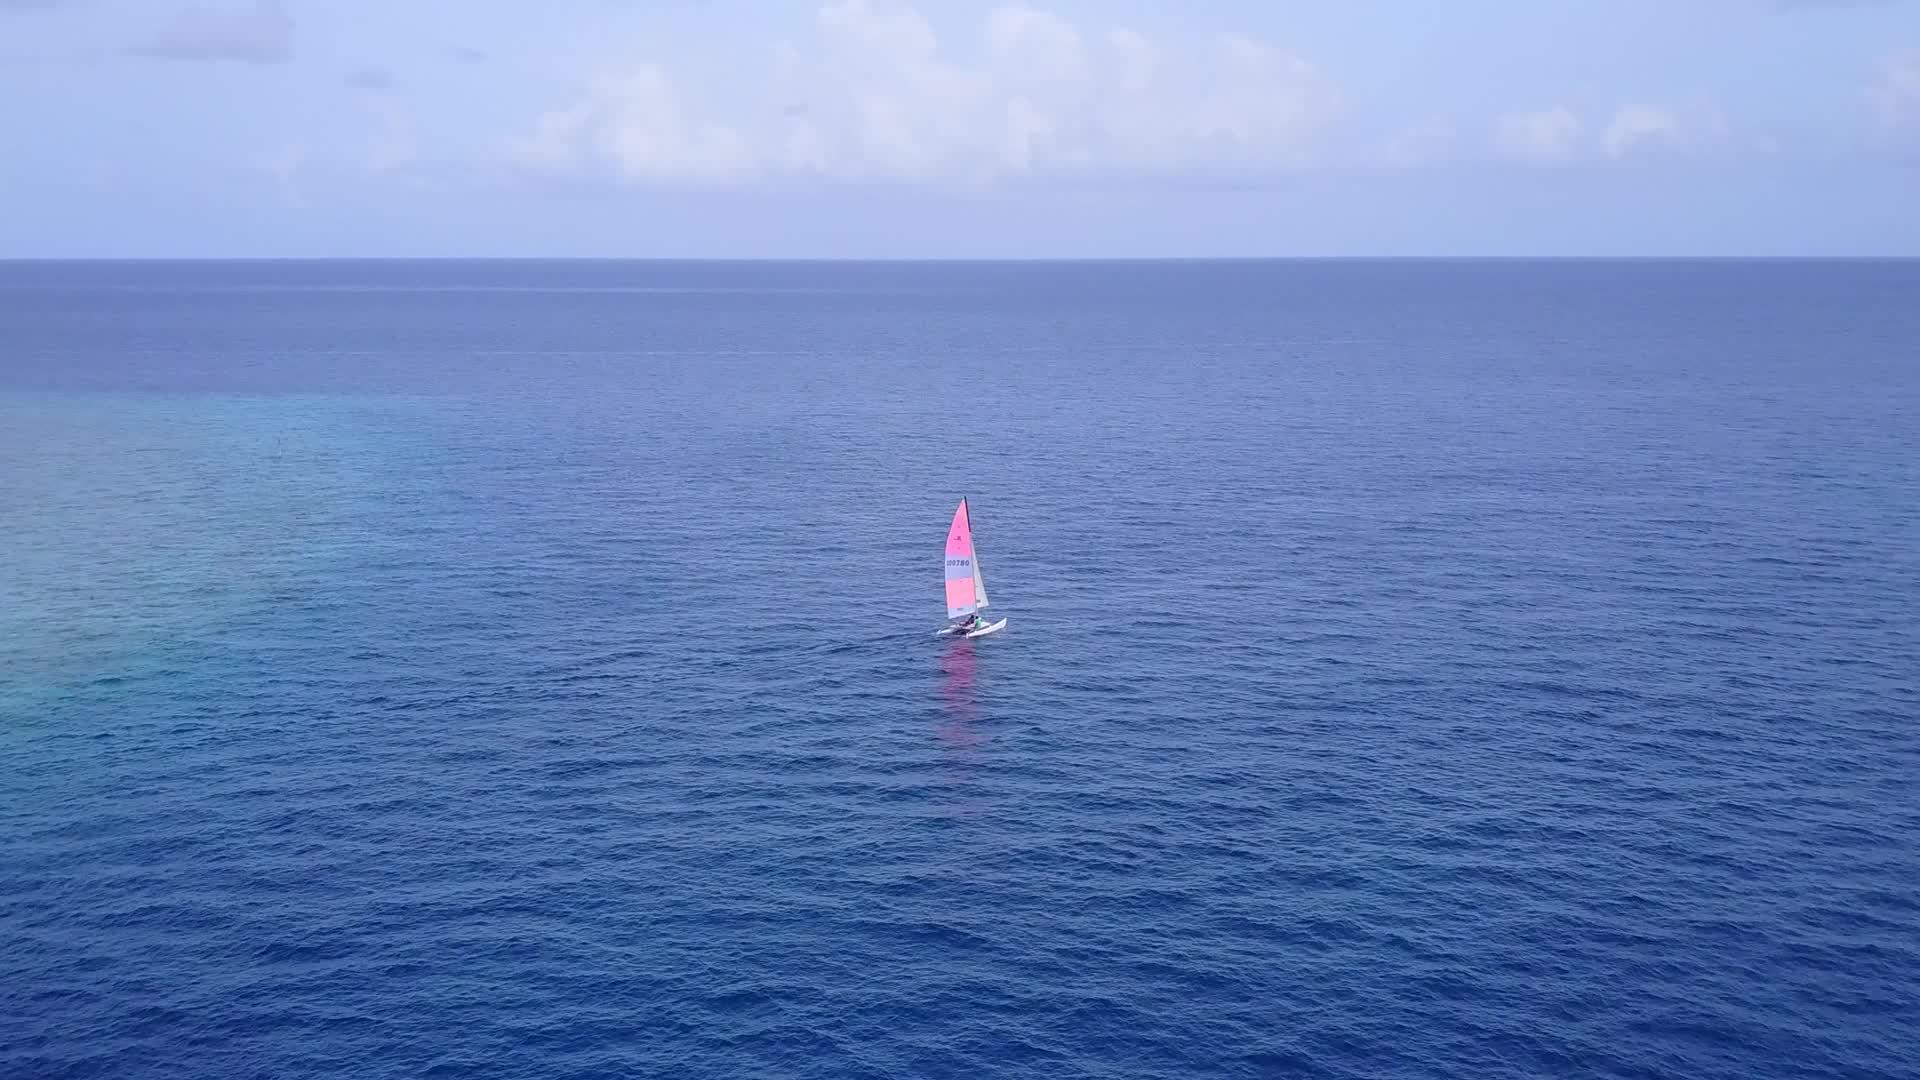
<point>950,128</point>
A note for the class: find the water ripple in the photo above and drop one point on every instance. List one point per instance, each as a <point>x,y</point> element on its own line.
<point>542,684</point>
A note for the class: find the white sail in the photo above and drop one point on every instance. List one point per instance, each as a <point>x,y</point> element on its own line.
<point>979,583</point>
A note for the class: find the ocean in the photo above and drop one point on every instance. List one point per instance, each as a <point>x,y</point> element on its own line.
<point>1419,669</point>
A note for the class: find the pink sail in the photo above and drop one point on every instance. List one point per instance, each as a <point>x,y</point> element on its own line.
<point>961,600</point>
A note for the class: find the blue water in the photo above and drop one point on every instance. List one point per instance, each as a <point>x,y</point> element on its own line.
<point>1416,669</point>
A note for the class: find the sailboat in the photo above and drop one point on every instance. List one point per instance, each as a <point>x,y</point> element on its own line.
<point>966,588</point>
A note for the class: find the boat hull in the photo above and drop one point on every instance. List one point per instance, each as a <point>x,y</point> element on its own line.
<point>982,632</point>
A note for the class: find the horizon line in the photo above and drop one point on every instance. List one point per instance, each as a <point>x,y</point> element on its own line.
<point>978,259</point>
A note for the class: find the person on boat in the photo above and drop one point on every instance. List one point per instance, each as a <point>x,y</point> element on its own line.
<point>971,622</point>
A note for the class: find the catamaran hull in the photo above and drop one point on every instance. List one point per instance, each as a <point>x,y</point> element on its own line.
<point>982,632</point>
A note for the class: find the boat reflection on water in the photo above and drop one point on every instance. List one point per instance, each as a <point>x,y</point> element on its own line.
<point>959,733</point>
<point>957,693</point>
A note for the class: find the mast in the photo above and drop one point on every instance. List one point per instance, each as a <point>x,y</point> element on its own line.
<point>979,575</point>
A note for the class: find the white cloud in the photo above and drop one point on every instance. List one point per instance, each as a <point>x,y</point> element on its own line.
<point>1427,143</point>
<point>635,125</point>
<point>875,96</point>
<point>888,104</point>
<point>1694,128</point>
<point>1268,103</point>
<point>1547,136</point>
<point>1136,60</point>
<point>1895,94</point>
<point>262,35</point>
<point>1039,55</point>
<point>1638,126</point>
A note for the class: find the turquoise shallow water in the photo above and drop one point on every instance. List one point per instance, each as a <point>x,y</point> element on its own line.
<point>523,669</point>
